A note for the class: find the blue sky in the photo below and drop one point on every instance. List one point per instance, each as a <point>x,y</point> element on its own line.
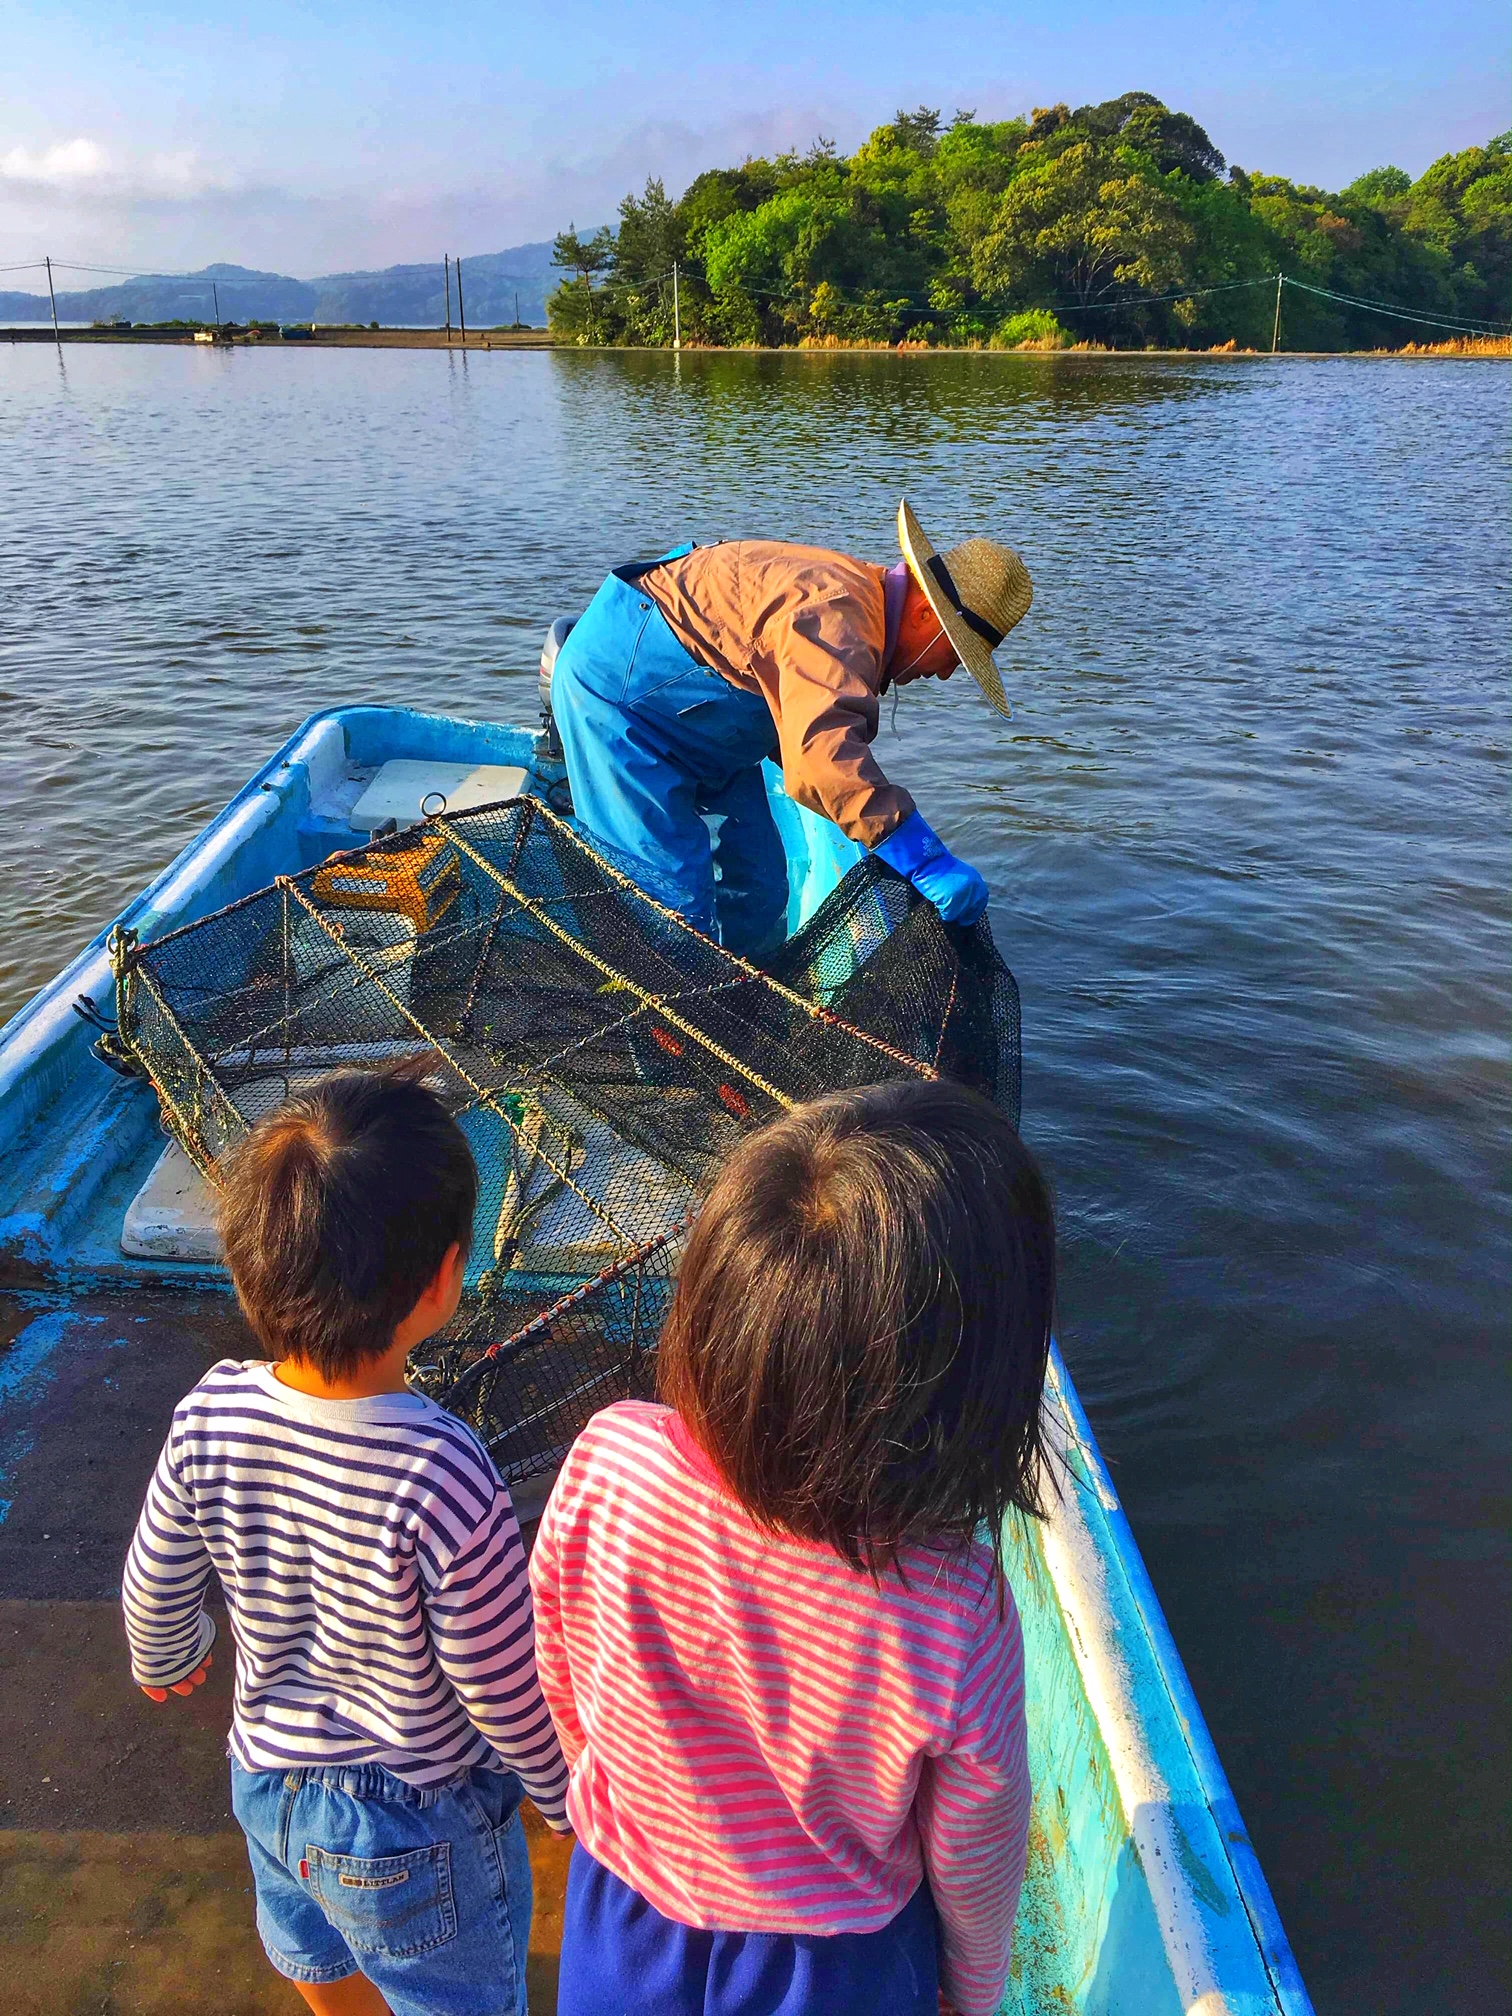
<point>323,135</point>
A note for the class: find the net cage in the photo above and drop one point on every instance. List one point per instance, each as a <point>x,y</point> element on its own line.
<point>600,1054</point>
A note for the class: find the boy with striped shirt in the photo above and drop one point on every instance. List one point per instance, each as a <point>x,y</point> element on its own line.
<point>388,1715</point>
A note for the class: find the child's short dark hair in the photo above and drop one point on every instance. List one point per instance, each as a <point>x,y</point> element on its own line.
<point>337,1211</point>
<point>861,1325</point>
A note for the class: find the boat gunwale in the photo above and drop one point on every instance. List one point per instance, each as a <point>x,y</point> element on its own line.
<point>282,757</point>
<point>1117,1543</point>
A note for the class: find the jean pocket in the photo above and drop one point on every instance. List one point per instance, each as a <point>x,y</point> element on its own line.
<point>398,1905</point>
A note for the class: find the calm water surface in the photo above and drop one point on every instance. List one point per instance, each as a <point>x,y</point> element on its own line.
<point>1247,837</point>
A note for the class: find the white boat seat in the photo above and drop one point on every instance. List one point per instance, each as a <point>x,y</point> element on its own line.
<point>403,787</point>
<point>172,1216</point>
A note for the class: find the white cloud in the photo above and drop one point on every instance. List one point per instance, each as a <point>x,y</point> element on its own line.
<point>82,167</point>
<point>95,200</point>
<point>68,163</point>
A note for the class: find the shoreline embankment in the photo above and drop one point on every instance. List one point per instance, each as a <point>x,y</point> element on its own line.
<point>1480,349</point>
<point>306,339</point>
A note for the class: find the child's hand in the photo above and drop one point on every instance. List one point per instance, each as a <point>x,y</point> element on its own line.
<point>182,1686</point>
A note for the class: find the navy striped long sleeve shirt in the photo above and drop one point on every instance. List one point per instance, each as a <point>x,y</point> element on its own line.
<point>374,1575</point>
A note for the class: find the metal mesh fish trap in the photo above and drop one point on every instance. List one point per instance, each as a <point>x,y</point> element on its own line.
<point>601,1056</point>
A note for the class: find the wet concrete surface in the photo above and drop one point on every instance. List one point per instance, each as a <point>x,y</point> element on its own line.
<point>86,1391</point>
<point>80,1747</point>
<point>160,1923</point>
<point>124,1886</point>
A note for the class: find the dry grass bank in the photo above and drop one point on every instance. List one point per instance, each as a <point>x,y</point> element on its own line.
<point>1459,346</point>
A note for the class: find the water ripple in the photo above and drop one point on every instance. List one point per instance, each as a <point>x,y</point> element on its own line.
<point>1247,835</point>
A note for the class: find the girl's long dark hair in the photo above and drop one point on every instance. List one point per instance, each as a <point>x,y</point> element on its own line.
<point>861,1325</point>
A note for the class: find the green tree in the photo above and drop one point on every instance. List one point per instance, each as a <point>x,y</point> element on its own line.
<point>1175,143</point>
<point>1172,141</point>
<point>973,166</point>
<point>1349,247</point>
<point>954,233</point>
<point>1459,209</point>
<point>1380,186</point>
<point>763,265</point>
<point>585,257</point>
<point>1083,223</point>
<point>650,237</point>
<point>649,243</point>
<point>1232,247</point>
<point>1113,114</point>
<point>915,132</point>
<point>571,308</point>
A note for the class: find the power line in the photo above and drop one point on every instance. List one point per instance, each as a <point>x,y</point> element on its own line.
<point>879,298</point>
<point>1146,300</point>
<point>77,266</point>
<point>142,272</point>
<point>1349,300</point>
<point>174,273</point>
<point>1464,325</point>
<point>1402,314</point>
<point>124,272</point>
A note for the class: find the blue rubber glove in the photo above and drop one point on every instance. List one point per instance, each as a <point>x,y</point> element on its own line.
<point>918,853</point>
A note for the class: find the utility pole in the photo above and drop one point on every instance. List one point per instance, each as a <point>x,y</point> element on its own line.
<point>1276,330</point>
<point>448,297</point>
<point>215,297</point>
<point>461,310</point>
<point>54,300</point>
<point>676,312</point>
<point>517,308</point>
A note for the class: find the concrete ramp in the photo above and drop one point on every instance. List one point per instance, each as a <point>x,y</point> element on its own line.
<point>124,1887</point>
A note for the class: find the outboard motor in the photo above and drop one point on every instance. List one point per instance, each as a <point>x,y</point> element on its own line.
<point>550,743</point>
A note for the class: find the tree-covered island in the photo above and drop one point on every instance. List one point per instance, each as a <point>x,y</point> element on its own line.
<point>1045,231</point>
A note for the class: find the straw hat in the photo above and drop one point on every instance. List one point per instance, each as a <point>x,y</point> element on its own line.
<point>979,590</point>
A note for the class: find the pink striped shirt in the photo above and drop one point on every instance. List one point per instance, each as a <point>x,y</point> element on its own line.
<point>761,1739</point>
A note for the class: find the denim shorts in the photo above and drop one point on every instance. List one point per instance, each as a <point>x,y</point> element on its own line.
<point>426,1892</point>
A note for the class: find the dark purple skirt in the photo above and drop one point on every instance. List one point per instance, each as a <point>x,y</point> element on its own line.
<point>621,1957</point>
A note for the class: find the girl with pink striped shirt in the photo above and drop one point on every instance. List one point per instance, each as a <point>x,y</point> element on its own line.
<point>771,1620</point>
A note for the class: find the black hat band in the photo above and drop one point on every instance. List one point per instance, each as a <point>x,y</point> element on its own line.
<point>969,617</point>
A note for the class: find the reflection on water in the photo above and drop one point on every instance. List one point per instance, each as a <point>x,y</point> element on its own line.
<point>1246,834</point>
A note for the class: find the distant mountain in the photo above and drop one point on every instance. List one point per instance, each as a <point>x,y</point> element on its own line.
<point>494,284</point>
<point>491,283</point>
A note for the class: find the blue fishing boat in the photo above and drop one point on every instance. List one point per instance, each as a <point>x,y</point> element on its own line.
<point>1144,1895</point>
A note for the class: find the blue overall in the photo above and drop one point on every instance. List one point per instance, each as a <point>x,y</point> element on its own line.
<point>654,742</point>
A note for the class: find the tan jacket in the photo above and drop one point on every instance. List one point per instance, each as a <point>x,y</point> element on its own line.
<point>806,629</point>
